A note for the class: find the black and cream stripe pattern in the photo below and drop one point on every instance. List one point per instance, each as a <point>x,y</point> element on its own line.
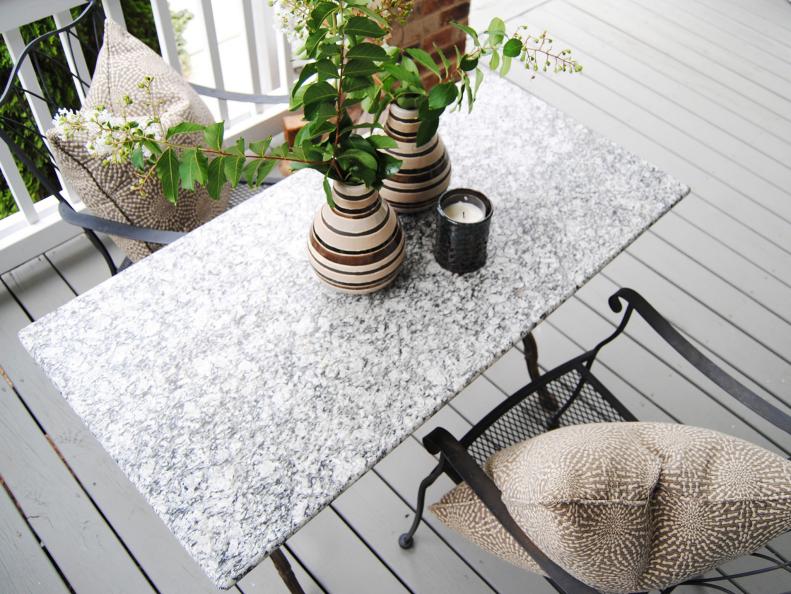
<point>357,246</point>
<point>425,171</point>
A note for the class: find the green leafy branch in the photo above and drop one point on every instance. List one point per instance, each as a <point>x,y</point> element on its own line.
<point>454,75</point>
<point>348,64</point>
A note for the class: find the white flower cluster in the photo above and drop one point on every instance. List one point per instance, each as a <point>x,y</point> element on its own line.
<point>292,17</point>
<point>107,135</point>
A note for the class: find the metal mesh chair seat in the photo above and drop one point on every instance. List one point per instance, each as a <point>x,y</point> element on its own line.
<point>573,397</point>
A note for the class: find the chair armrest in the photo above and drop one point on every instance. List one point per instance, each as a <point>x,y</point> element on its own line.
<point>124,230</point>
<point>702,363</point>
<point>241,97</point>
<point>440,441</point>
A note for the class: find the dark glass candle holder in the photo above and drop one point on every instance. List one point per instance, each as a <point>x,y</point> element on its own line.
<point>463,218</point>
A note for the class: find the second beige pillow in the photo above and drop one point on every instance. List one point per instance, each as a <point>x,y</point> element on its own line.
<point>628,507</point>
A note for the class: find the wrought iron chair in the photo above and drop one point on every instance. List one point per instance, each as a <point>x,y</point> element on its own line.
<point>19,132</point>
<point>569,395</point>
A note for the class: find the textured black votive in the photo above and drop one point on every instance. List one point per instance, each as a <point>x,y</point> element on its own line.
<point>461,247</point>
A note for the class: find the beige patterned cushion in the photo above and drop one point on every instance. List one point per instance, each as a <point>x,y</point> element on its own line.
<point>107,189</point>
<point>628,507</point>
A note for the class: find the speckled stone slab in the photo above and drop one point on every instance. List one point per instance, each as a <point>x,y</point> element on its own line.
<point>240,396</point>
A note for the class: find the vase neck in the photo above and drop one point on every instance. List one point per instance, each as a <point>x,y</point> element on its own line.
<point>402,124</point>
<point>354,198</point>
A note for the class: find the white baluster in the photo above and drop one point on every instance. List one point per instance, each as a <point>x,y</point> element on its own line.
<point>17,185</point>
<point>252,50</point>
<point>165,33</point>
<point>113,10</point>
<point>74,56</point>
<point>214,52</point>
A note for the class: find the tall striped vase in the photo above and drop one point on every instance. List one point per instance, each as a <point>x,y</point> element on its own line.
<point>357,246</point>
<point>425,172</point>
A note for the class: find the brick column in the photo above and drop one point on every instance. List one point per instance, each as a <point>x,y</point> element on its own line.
<point>429,24</point>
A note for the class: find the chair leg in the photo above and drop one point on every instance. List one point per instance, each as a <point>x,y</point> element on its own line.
<point>406,540</point>
<point>286,573</point>
<point>97,243</point>
<point>546,399</point>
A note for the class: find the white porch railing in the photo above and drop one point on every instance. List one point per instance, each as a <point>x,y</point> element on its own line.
<point>37,226</point>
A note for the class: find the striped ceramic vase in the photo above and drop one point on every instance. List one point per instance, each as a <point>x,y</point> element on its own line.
<point>425,172</point>
<point>358,245</point>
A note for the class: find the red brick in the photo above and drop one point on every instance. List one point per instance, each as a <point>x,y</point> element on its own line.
<point>455,13</point>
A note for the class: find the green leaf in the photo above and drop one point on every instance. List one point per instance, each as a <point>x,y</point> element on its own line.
<point>183,128</point>
<point>409,64</point>
<point>494,63</point>
<point>307,71</point>
<point>356,83</point>
<point>255,171</point>
<point>233,167</point>
<point>214,135</point>
<point>372,14</point>
<point>250,170</point>
<point>470,96</point>
<point>426,130</point>
<point>328,192</point>
<point>468,30</point>
<point>321,12</point>
<point>363,26</point>
<point>442,95</point>
<point>362,157</point>
<point>512,48</point>
<point>318,92</point>
<point>238,148</point>
<point>264,169</point>
<point>496,31</point>
<point>216,178</point>
<point>468,63</point>
<point>367,51</point>
<point>382,142</point>
<point>259,147</point>
<point>359,67</point>
<point>168,173</point>
<point>424,58</point>
<point>194,168</point>
<point>154,147</point>
<point>326,69</point>
<point>315,111</point>
<point>328,50</point>
<point>390,166</point>
<point>445,62</point>
<point>478,80</point>
<point>313,41</point>
<point>506,66</point>
<point>137,158</point>
<point>401,74</point>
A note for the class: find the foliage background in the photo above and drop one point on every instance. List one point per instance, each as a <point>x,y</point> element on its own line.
<point>139,22</point>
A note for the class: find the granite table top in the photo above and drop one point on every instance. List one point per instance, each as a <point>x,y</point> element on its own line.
<point>241,396</point>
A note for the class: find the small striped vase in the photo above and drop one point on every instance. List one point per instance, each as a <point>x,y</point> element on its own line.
<point>425,172</point>
<point>358,245</point>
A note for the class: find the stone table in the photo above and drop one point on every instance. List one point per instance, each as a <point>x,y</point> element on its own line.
<point>241,396</point>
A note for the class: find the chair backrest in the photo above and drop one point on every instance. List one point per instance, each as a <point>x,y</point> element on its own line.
<point>54,71</point>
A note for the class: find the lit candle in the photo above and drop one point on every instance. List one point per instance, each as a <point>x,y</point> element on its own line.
<point>464,212</point>
<point>463,218</point>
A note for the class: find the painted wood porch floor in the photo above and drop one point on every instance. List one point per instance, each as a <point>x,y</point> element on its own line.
<point>702,89</point>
